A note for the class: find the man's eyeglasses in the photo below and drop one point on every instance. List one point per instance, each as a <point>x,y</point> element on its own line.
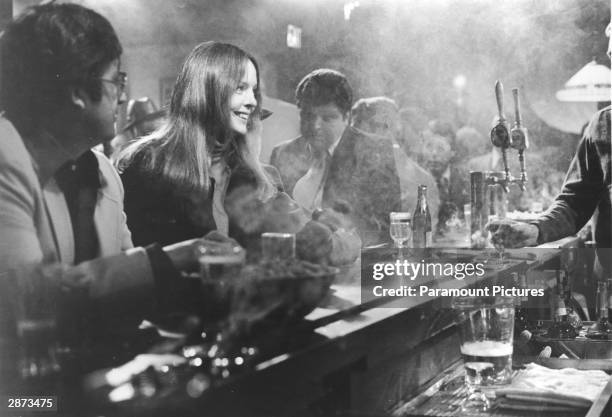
<point>120,82</point>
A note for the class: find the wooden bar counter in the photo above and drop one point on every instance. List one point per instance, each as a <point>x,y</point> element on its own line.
<point>346,358</point>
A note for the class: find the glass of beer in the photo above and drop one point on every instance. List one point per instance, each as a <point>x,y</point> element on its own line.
<point>486,329</point>
<point>220,261</point>
<point>277,246</point>
<point>400,228</point>
<point>34,306</point>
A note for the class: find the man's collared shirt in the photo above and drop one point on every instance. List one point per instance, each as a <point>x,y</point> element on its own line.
<point>79,180</point>
<point>308,190</point>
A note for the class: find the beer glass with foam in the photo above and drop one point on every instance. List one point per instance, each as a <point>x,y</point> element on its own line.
<point>486,327</point>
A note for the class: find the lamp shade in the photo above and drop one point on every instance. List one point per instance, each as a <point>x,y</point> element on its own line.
<point>590,84</point>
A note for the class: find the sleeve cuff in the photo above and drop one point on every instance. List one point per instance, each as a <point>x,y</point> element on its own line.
<point>172,292</point>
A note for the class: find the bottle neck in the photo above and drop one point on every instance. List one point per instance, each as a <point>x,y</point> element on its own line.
<point>602,300</point>
<point>560,310</point>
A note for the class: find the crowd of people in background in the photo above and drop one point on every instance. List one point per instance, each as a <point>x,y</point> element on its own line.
<point>436,152</point>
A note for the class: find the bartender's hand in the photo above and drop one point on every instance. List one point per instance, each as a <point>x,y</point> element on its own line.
<point>513,234</point>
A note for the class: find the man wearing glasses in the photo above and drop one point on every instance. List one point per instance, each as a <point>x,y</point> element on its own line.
<point>61,204</point>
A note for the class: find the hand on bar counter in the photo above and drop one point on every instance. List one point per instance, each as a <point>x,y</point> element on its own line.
<point>329,235</point>
<point>184,255</point>
<point>513,234</point>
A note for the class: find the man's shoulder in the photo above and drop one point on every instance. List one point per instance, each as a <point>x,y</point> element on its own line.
<point>291,145</point>
<point>366,140</point>
<point>108,172</point>
<point>13,152</point>
<point>282,153</point>
<point>374,149</point>
<point>11,143</point>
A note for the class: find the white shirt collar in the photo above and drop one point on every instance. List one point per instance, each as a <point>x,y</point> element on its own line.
<point>334,145</point>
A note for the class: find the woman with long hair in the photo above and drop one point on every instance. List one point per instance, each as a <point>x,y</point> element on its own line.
<point>200,171</point>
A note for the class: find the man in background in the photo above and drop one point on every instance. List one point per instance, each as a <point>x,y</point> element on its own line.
<point>143,117</point>
<point>334,165</point>
<point>379,117</point>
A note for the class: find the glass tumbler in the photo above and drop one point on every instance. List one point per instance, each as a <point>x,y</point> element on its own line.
<point>486,329</point>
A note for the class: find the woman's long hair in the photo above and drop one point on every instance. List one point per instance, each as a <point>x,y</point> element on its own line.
<point>198,129</point>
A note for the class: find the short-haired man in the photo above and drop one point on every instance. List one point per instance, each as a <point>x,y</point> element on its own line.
<point>332,164</point>
<point>61,204</point>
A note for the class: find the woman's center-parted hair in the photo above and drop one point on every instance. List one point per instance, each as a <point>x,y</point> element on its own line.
<point>204,87</point>
<point>198,130</point>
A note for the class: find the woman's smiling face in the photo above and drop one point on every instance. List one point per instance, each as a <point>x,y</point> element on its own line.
<point>243,101</point>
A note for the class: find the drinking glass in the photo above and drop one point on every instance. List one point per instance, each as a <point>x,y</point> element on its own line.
<point>220,267</point>
<point>277,246</point>
<point>35,302</point>
<point>497,251</point>
<point>221,261</point>
<point>400,228</point>
<point>467,216</point>
<point>486,329</point>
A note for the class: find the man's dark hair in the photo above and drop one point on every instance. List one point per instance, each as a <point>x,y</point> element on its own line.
<point>324,86</point>
<point>48,48</point>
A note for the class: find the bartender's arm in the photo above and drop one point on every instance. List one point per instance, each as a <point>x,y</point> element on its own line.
<point>583,188</point>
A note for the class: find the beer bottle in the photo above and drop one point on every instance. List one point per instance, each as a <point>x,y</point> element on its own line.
<point>561,327</point>
<point>573,307</point>
<point>601,329</point>
<point>421,220</point>
<point>521,321</point>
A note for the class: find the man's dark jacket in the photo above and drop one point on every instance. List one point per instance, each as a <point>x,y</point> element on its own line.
<point>362,174</point>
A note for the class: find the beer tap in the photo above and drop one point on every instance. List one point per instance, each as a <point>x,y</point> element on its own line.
<point>519,138</point>
<point>488,188</point>
<point>500,134</point>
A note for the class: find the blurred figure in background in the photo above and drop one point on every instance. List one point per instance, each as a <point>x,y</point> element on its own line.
<point>143,117</point>
<point>331,163</point>
<point>200,170</point>
<point>414,122</point>
<point>437,154</point>
<point>379,117</point>
<point>469,145</point>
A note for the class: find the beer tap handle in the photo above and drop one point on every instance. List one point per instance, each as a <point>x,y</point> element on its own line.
<point>499,97</point>
<point>517,107</point>
<point>507,179</point>
<point>500,136</point>
<point>519,138</point>
<point>523,179</point>
<point>518,135</point>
